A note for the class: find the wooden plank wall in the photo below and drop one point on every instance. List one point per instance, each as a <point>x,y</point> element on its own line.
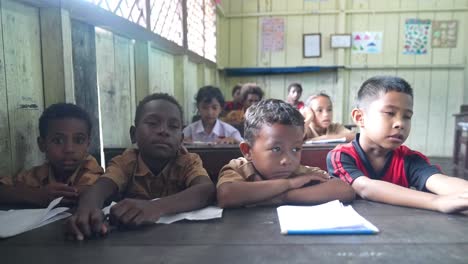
<point>20,86</point>
<point>438,78</point>
<point>100,60</point>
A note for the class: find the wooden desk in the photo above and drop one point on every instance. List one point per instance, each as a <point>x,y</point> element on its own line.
<point>253,236</point>
<point>214,157</point>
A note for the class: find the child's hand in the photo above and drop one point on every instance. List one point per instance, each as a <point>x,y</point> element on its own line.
<point>133,213</point>
<point>183,150</point>
<point>85,223</point>
<point>226,140</point>
<point>54,190</point>
<point>300,181</point>
<point>308,114</point>
<point>452,203</point>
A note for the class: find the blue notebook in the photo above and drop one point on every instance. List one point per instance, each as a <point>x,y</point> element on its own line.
<point>332,218</point>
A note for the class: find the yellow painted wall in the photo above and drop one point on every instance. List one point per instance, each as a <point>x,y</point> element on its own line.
<point>439,78</point>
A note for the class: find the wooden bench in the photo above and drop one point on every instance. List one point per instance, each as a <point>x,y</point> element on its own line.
<point>214,157</point>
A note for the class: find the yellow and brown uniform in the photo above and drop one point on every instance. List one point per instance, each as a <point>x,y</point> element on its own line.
<point>134,179</point>
<point>85,175</point>
<point>242,170</point>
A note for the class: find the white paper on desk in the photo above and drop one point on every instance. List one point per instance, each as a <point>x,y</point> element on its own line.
<point>14,222</point>
<point>209,212</point>
<point>328,216</point>
<point>325,141</point>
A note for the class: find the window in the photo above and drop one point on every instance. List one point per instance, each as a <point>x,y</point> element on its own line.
<point>201,28</point>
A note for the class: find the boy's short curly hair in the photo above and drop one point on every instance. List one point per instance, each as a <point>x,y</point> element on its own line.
<point>207,93</point>
<point>376,86</point>
<point>269,112</point>
<point>251,88</point>
<point>156,96</point>
<point>62,111</point>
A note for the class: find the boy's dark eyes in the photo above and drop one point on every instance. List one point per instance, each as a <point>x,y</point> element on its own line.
<point>80,140</point>
<point>57,140</point>
<point>275,149</point>
<point>296,149</point>
<point>389,113</point>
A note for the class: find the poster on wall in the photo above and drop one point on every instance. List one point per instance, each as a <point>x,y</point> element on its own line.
<point>444,33</point>
<point>416,36</point>
<point>367,42</point>
<point>272,34</point>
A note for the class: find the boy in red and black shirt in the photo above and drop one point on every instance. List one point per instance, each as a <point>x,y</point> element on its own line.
<point>376,164</point>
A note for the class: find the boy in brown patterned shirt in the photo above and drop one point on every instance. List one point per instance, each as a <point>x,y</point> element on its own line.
<point>157,169</point>
<point>64,138</point>
<point>269,172</point>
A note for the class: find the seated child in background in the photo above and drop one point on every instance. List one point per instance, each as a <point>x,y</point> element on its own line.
<point>294,94</point>
<point>64,137</point>
<point>157,169</point>
<point>318,120</point>
<point>210,102</point>
<point>269,172</point>
<point>379,167</point>
<point>236,102</point>
<point>251,93</point>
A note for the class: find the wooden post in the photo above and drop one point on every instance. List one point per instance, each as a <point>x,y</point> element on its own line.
<point>57,62</point>
<point>142,49</point>
<point>85,77</point>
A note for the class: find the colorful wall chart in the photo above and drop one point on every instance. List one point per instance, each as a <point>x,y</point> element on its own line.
<point>416,36</point>
<point>367,42</point>
<point>444,34</point>
<point>272,34</point>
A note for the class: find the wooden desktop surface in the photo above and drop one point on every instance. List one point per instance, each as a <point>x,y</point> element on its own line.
<point>252,235</point>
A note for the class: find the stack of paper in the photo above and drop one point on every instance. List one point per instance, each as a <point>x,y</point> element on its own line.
<point>209,212</point>
<point>14,222</point>
<point>325,219</point>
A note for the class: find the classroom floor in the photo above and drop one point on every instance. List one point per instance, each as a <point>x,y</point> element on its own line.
<point>447,167</point>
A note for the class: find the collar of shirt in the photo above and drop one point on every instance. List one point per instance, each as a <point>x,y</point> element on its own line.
<point>85,164</point>
<point>142,169</point>
<point>217,129</point>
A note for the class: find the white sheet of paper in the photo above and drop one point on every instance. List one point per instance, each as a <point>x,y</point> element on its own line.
<point>14,222</point>
<point>209,212</point>
<point>324,141</point>
<point>331,215</point>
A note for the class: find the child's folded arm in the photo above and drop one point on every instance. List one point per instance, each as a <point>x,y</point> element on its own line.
<point>333,189</point>
<point>240,193</point>
<point>386,192</point>
<point>443,184</point>
<point>199,194</point>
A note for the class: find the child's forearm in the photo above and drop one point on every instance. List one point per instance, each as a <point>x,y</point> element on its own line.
<point>334,189</point>
<point>235,194</point>
<point>198,195</point>
<point>385,192</point>
<point>23,195</point>
<point>98,193</point>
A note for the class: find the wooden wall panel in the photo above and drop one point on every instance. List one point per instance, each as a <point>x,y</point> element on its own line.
<point>116,87</point>
<point>161,68</point>
<point>5,141</point>
<point>23,72</point>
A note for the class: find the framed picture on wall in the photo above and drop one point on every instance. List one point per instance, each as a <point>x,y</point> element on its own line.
<point>340,41</point>
<point>312,45</point>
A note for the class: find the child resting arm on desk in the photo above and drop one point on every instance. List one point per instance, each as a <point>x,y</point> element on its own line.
<point>318,114</point>
<point>379,167</point>
<point>157,169</point>
<point>269,172</point>
<point>64,137</point>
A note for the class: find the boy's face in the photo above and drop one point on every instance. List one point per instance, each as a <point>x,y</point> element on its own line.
<point>210,111</point>
<point>159,130</point>
<point>387,120</point>
<point>294,94</point>
<point>323,111</point>
<point>276,152</point>
<point>251,99</point>
<point>66,143</point>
